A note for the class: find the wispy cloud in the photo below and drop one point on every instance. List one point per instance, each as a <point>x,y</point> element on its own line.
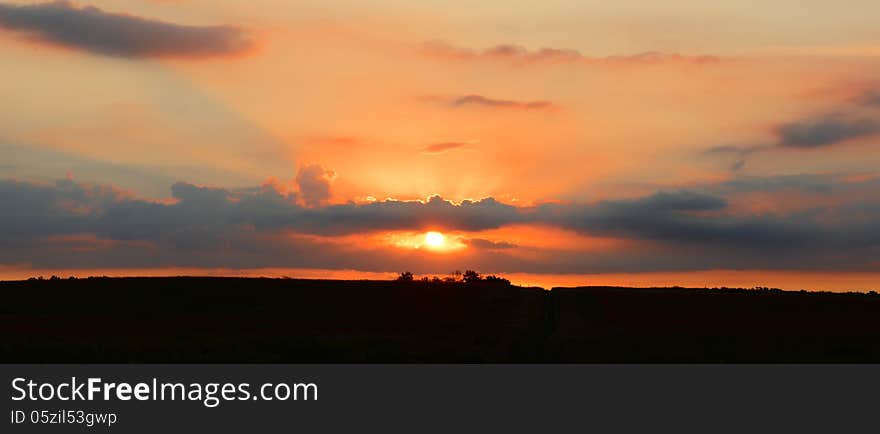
<point>738,154</point>
<point>519,55</point>
<point>482,101</point>
<point>442,147</point>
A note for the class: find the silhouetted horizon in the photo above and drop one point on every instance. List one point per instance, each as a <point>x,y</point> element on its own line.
<point>259,320</point>
<point>436,279</point>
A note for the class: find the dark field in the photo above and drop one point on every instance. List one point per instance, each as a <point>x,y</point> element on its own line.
<point>192,319</point>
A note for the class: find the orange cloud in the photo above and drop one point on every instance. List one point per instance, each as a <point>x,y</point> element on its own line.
<point>439,148</point>
<point>482,101</point>
<point>521,56</point>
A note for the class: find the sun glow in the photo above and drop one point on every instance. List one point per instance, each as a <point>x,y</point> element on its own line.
<point>435,240</point>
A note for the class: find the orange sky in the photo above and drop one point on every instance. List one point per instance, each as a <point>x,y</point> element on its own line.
<point>645,142</point>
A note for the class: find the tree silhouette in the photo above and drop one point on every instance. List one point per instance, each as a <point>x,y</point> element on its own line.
<point>471,276</point>
<point>497,280</point>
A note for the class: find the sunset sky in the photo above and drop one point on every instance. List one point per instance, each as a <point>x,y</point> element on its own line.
<point>560,142</point>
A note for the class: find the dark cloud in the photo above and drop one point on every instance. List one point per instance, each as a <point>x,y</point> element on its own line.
<point>407,215</point>
<point>439,148</point>
<point>479,100</point>
<point>825,130</point>
<point>851,121</point>
<point>264,227</point>
<point>93,30</point>
<point>677,218</point>
<point>33,210</point>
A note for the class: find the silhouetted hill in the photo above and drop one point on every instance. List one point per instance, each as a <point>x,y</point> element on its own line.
<point>609,324</point>
<point>196,319</point>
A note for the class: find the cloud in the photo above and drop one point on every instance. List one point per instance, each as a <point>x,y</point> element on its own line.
<point>503,52</point>
<point>680,217</point>
<point>870,98</point>
<point>263,227</point>
<point>825,130</point>
<point>405,215</point>
<point>482,101</point>
<point>738,154</point>
<point>854,119</point>
<point>65,207</point>
<point>738,165</point>
<point>732,150</point>
<point>314,184</point>
<point>484,244</point>
<point>850,121</point>
<point>96,31</point>
<point>521,56</point>
<point>654,57</point>
<point>649,219</point>
<point>439,148</point>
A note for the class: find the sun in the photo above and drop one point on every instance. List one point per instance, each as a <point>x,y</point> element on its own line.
<point>435,239</point>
